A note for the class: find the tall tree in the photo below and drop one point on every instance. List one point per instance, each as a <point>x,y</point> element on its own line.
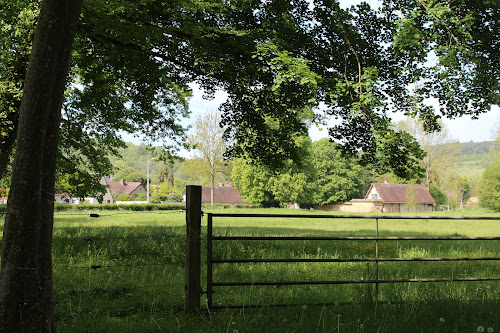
<point>339,178</point>
<point>489,186</point>
<point>253,181</point>
<point>293,183</point>
<point>209,143</point>
<point>489,190</point>
<point>26,303</point>
<point>438,146</point>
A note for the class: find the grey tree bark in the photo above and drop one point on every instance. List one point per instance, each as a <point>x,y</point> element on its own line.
<point>26,291</point>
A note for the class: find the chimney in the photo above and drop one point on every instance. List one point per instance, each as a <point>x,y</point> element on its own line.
<point>122,182</point>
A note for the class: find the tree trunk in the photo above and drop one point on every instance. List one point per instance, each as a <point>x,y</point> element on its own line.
<point>26,294</point>
<point>212,186</point>
<point>427,177</point>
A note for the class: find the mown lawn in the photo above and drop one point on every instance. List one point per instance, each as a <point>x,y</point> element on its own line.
<point>124,272</point>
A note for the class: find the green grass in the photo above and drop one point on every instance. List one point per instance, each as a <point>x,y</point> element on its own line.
<point>139,286</point>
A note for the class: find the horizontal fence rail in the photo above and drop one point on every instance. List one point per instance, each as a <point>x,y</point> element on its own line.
<point>211,261</point>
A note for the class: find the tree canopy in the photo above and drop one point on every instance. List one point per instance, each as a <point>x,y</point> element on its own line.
<point>339,178</point>
<point>323,176</point>
<point>277,60</point>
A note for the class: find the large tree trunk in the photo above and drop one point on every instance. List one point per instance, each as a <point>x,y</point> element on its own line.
<point>26,297</point>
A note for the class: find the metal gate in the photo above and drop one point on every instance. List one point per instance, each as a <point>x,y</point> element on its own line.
<point>375,259</point>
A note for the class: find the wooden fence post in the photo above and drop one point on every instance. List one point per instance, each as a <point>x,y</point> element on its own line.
<point>192,285</point>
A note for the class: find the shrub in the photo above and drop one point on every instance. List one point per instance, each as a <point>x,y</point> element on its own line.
<point>175,197</point>
<point>155,198</point>
<point>140,197</point>
<point>124,197</point>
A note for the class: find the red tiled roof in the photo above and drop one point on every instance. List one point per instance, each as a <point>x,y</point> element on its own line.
<point>222,194</point>
<point>396,193</point>
<point>117,188</point>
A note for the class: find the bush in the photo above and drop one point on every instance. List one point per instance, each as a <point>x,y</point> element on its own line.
<point>140,197</point>
<point>175,197</point>
<point>155,198</point>
<point>124,197</point>
<point>61,206</point>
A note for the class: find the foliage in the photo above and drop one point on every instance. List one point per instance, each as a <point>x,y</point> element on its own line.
<point>194,171</point>
<point>411,197</point>
<point>209,144</point>
<point>457,190</point>
<point>463,37</point>
<point>339,178</point>
<point>293,183</point>
<point>281,60</point>
<point>252,180</point>
<point>135,157</point>
<point>323,176</point>
<point>177,196</point>
<point>438,195</point>
<point>130,175</point>
<point>473,148</point>
<point>438,147</point>
<point>17,20</point>
<point>489,190</point>
<point>78,185</point>
<point>140,197</point>
<point>124,197</point>
<point>156,198</point>
<point>489,187</point>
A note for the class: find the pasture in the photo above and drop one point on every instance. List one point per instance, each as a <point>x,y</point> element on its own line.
<point>124,272</point>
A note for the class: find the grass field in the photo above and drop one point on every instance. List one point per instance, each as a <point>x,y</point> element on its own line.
<point>137,280</point>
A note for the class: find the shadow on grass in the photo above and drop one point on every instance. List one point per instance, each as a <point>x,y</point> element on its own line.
<point>140,285</point>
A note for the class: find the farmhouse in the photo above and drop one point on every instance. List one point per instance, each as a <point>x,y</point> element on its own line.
<point>115,189</point>
<point>389,198</point>
<point>402,197</point>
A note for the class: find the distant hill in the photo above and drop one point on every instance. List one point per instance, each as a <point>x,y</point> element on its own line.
<point>136,156</point>
<point>473,158</point>
<point>470,161</point>
<point>476,148</point>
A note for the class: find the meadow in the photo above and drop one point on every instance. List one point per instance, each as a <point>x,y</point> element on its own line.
<point>124,272</point>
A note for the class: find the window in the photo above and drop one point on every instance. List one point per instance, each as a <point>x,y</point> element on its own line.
<point>375,196</point>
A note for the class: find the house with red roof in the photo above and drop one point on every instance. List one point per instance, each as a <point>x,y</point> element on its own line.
<point>115,189</point>
<point>401,197</point>
<point>384,197</point>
